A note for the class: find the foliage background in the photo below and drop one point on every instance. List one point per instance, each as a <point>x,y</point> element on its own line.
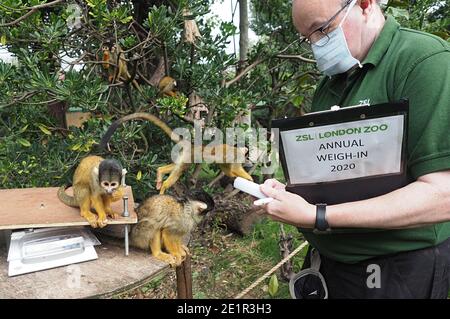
<point>36,151</point>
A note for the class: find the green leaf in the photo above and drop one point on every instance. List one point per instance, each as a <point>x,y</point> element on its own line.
<point>3,39</point>
<point>398,13</point>
<point>126,19</point>
<point>23,129</point>
<point>139,175</point>
<point>273,285</point>
<point>76,147</point>
<point>298,100</point>
<point>44,129</point>
<point>24,142</point>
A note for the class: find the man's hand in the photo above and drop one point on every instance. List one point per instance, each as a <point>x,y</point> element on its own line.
<point>287,207</point>
<point>428,202</point>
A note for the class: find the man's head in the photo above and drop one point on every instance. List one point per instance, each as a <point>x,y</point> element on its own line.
<point>361,27</point>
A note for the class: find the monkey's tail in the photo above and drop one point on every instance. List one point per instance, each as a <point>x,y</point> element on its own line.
<point>141,116</point>
<point>66,199</point>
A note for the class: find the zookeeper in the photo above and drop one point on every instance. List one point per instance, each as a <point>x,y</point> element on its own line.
<point>368,58</point>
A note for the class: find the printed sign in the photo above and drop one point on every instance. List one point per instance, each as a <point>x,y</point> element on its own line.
<point>344,151</point>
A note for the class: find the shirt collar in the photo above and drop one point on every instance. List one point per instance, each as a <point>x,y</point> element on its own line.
<point>381,44</point>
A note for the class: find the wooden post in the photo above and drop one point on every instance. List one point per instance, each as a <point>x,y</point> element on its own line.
<point>184,279</point>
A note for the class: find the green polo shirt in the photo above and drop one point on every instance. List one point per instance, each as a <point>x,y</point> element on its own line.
<point>402,63</point>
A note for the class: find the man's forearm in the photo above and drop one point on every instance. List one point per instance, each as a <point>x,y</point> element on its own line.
<point>417,204</point>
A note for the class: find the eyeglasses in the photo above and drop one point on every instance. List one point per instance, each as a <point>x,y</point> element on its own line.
<point>320,36</point>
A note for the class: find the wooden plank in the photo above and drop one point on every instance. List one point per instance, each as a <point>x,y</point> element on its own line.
<point>40,207</point>
<point>111,273</point>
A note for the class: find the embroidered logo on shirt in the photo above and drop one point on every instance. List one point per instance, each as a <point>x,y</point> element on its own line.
<point>364,102</point>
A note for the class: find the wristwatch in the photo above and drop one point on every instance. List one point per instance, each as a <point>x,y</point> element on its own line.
<point>321,225</point>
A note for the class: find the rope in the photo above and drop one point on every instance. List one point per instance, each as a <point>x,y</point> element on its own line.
<point>271,271</point>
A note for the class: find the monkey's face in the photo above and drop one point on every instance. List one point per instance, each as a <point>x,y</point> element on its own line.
<point>109,186</point>
<point>109,175</point>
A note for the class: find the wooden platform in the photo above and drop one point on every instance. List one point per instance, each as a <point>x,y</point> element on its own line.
<point>111,273</point>
<point>40,207</point>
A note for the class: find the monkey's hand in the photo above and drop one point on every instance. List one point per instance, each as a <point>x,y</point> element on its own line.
<point>165,185</point>
<point>158,184</point>
<point>107,200</point>
<point>118,194</point>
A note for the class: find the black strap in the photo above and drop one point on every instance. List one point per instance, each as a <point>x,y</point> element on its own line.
<point>321,225</point>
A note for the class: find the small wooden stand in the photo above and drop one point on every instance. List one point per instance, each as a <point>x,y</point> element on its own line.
<point>41,207</point>
<point>111,273</point>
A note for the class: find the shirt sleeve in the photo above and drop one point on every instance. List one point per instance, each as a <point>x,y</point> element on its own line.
<point>427,86</point>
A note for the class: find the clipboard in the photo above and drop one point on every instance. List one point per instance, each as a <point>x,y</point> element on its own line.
<point>344,189</point>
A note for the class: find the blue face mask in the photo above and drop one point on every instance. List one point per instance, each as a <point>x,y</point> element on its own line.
<point>334,57</point>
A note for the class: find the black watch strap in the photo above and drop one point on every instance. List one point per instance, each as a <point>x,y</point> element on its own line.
<point>321,220</point>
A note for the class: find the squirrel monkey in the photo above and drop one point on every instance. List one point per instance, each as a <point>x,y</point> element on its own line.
<point>183,161</point>
<point>167,86</point>
<point>163,221</point>
<point>96,184</point>
<point>114,62</point>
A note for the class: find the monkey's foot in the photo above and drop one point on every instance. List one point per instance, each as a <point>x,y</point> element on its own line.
<point>91,219</point>
<point>179,259</point>
<point>166,258</point>
<point>102,221</point>
<point>184,251</point>
<point>163,188</point>
<point>113,214</point>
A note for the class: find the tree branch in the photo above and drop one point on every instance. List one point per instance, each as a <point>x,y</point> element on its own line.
<point>19,99</point>
<point>244,72</point>
<point>29,13</point>
<point>297,57</point>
